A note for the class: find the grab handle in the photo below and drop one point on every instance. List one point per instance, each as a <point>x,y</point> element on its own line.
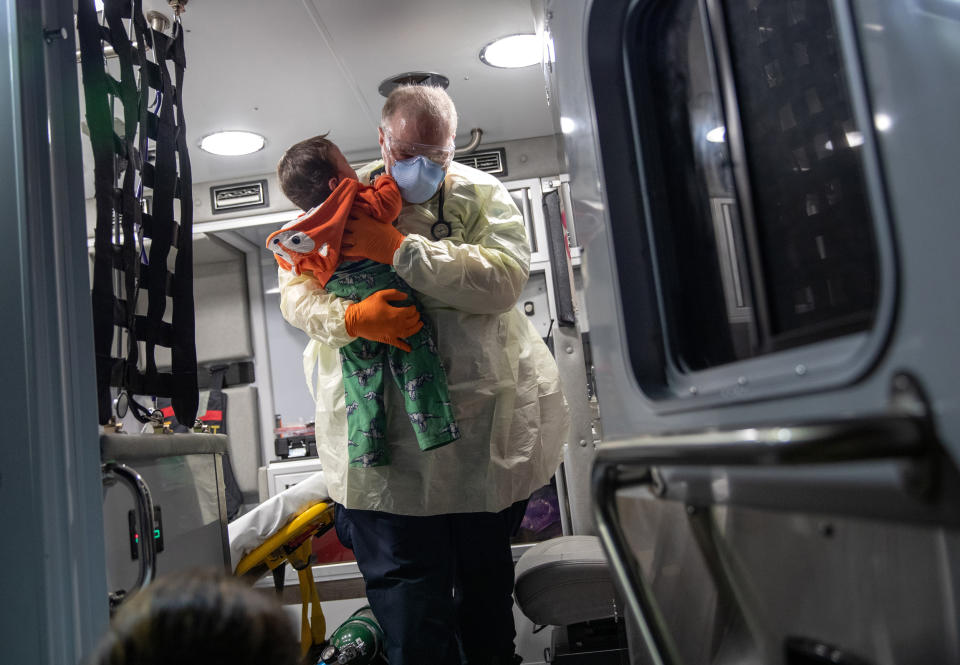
<point>113,472</point>
<point>627,463</point>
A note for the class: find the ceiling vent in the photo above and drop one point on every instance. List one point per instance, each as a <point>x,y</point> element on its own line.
<point>492,161</point>
<point>239,196</point>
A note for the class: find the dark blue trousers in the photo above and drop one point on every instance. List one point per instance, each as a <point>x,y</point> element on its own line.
<point>440,586</point>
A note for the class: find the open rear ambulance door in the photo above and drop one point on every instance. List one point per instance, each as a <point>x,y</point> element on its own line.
<point>767,199</point>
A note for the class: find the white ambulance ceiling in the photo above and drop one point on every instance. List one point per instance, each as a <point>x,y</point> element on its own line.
<point>289,69</point>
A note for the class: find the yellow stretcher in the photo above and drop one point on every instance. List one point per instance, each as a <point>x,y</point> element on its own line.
<point>293,543</point>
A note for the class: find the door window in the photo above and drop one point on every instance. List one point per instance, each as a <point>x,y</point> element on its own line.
<point>754,165</point>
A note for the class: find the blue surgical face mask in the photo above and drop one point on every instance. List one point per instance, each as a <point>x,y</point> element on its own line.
<point>418,178</point>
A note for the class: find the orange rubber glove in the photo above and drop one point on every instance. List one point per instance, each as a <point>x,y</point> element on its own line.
<point>369,238</point>
<point>374,318</point>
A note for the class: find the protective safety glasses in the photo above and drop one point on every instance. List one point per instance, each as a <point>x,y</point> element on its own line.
<point>401,150</point>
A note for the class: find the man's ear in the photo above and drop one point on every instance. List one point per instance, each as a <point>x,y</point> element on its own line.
<point>383,151</point>
<point>333,182</point>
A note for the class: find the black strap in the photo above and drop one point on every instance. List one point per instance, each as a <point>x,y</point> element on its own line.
<point>184,350</point>
<point>218,379</point>
<point>218,402</point>
<point>100,124</point>
<point>121,175</point>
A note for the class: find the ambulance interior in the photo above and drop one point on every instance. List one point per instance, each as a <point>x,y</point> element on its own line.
<point>287,71</point>
<point>742,223</point>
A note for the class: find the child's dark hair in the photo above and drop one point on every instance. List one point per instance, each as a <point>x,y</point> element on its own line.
<point>305,171</point>
<point>199,618</point>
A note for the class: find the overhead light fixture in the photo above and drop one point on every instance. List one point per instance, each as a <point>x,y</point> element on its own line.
<point>232,143</point>
<point>717,134</point>
<point>513,51</point>
<point>882,122</point>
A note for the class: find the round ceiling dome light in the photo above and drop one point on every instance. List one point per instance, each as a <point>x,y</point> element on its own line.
<point>513,51</point>
<point>232,143</point>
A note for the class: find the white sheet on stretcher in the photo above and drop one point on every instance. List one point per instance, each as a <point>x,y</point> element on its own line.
<point>248,531</point>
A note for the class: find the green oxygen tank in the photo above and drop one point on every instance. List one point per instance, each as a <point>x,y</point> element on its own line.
<point>358,641</point>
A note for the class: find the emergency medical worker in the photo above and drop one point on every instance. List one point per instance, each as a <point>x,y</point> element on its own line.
<point>431,522</point>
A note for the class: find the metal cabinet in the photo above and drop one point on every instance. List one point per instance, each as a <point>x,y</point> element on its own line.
<point>184,474</point>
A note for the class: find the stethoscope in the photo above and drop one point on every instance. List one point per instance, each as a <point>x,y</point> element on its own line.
<point>441,228</point>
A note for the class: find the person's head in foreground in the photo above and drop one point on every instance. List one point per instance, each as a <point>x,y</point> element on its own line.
<point>199,618</point>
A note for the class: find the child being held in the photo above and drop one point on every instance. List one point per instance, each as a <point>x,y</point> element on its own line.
<point>315,175</point>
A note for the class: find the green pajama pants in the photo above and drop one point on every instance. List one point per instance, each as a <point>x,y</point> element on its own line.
<point>418,374</point>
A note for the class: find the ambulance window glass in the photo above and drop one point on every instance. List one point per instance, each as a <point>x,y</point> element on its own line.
<point>799,263</point>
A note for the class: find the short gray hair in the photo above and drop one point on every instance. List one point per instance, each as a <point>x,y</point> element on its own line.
<point>421,103</point>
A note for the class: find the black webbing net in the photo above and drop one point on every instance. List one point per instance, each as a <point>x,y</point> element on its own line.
<point>143,263</point>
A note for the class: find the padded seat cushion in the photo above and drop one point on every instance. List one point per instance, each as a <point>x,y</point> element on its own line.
<point>565,580</point>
